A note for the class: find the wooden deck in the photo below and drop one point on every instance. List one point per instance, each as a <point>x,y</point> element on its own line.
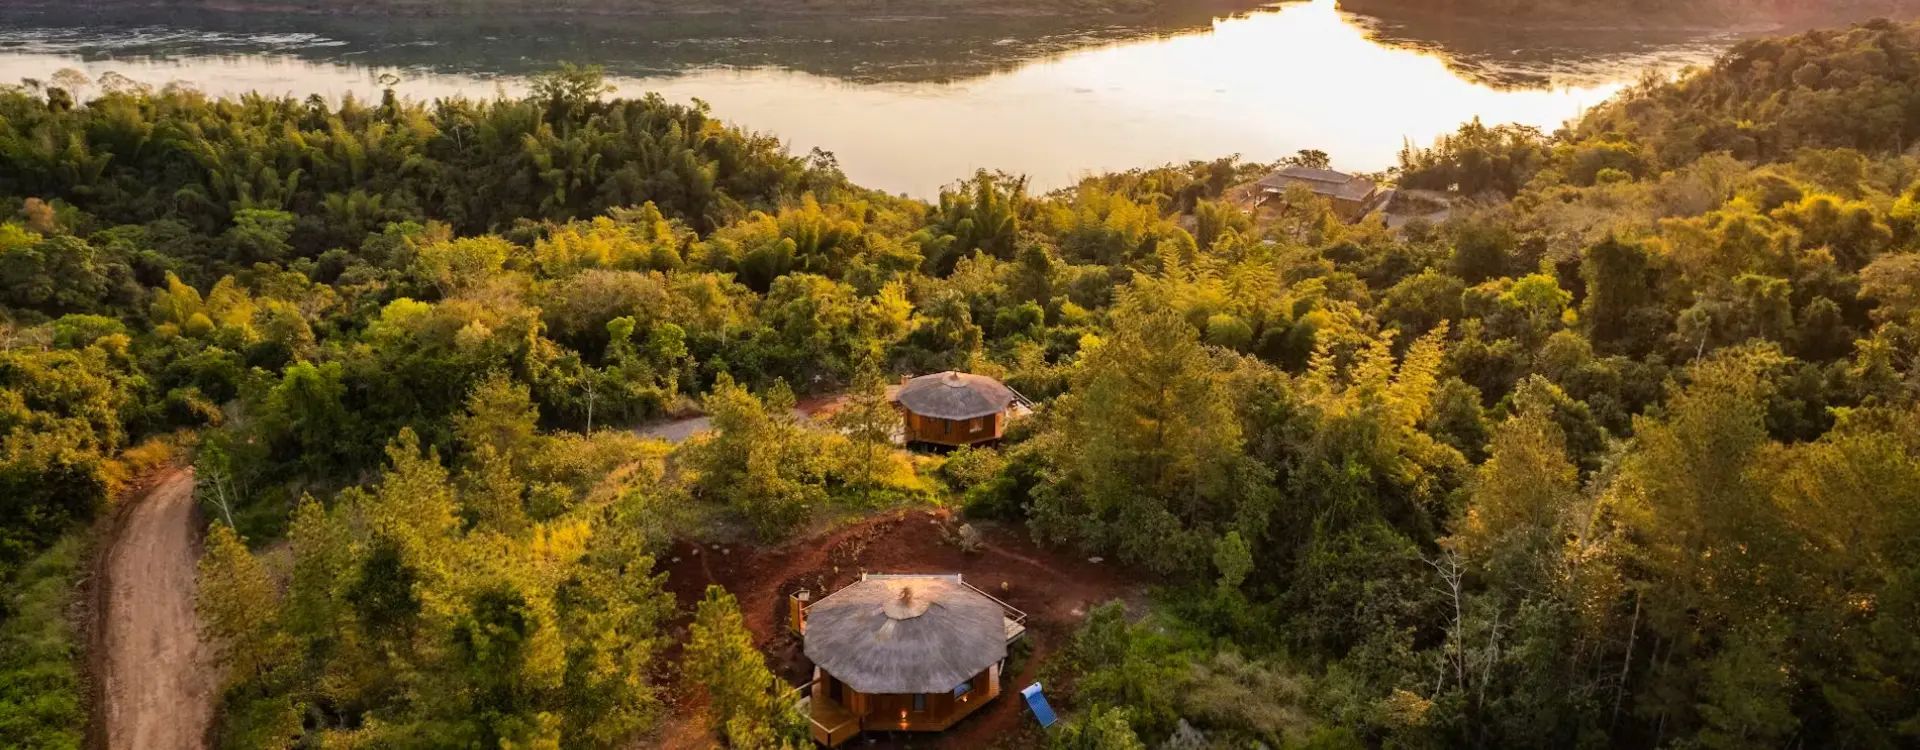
<point>833,724</point>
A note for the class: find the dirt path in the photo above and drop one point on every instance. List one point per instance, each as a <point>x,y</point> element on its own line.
<point>812,410</point>
<point>158,677</point>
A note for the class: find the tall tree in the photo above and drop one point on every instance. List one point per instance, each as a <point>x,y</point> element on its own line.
<point>746,703</point>
<point>869,423</point>
<point>1147,446</point>
<point>759,460</point>
<point>240,605</point>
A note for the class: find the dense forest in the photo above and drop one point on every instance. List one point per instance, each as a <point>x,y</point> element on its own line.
<point>1625,453</point>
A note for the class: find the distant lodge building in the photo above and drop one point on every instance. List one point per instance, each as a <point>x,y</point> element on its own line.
<point>956,409</point>
<point>902,653</point>
<point>1352,196</point>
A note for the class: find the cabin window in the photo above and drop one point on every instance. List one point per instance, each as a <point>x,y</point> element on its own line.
<point>919,703</point>
<point>963,688</point>
<point>834,692</point>
<point>975,425</point>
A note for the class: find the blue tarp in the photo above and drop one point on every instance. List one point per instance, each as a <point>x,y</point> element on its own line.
<point>1037,701</point>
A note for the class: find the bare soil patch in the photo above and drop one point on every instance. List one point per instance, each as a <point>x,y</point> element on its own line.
<point>1054,588</point>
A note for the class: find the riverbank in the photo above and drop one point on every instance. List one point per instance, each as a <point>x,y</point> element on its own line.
<point>865,9</point>
<point>1720,16</point>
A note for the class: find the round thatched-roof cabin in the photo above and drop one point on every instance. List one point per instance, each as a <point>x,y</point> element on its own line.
<point>904,653</point>
<point>955,408</point>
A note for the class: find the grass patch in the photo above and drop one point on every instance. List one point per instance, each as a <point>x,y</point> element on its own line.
<point>41,704</point>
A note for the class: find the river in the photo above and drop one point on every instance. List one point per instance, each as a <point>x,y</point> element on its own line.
<point>910,105</point>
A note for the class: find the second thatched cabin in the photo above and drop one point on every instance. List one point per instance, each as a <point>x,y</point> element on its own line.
<point>957,409</point>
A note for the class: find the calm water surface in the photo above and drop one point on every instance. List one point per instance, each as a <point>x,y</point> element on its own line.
<point>913,106</point>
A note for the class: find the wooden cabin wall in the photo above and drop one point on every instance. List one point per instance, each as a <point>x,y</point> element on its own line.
<point>941,708</point>
<point>881,712</point>
<point>887,710</point>
<point>980,692</point>
<point>859,703</point>
<point>954,431</point>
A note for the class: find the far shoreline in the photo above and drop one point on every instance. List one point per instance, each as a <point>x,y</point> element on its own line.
<point>1612,19</point>
<point>860,10</point>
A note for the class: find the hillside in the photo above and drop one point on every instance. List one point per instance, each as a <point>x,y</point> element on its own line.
<point>1651,14</point>
<point>1624,453</point>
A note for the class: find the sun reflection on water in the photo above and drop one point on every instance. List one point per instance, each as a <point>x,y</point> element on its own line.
<point>1302,75</point>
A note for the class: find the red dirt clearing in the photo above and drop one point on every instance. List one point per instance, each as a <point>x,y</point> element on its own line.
<point>1055,589</point>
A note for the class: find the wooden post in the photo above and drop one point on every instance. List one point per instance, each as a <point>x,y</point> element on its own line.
<point>797,611</point>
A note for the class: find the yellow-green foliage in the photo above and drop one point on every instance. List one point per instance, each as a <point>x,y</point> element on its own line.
<point>538,631</point>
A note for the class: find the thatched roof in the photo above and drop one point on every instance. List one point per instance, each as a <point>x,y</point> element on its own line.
<point>955,395</point>
<point>1326,182</point>
<point>906,634</point>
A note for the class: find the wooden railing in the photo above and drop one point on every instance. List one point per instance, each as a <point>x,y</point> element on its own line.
<point>835,592</point>
<point>1013,613</point>
<point>805,687</point>
<point>829,734</point>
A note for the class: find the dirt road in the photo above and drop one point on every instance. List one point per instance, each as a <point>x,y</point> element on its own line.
<point>158,678</point>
